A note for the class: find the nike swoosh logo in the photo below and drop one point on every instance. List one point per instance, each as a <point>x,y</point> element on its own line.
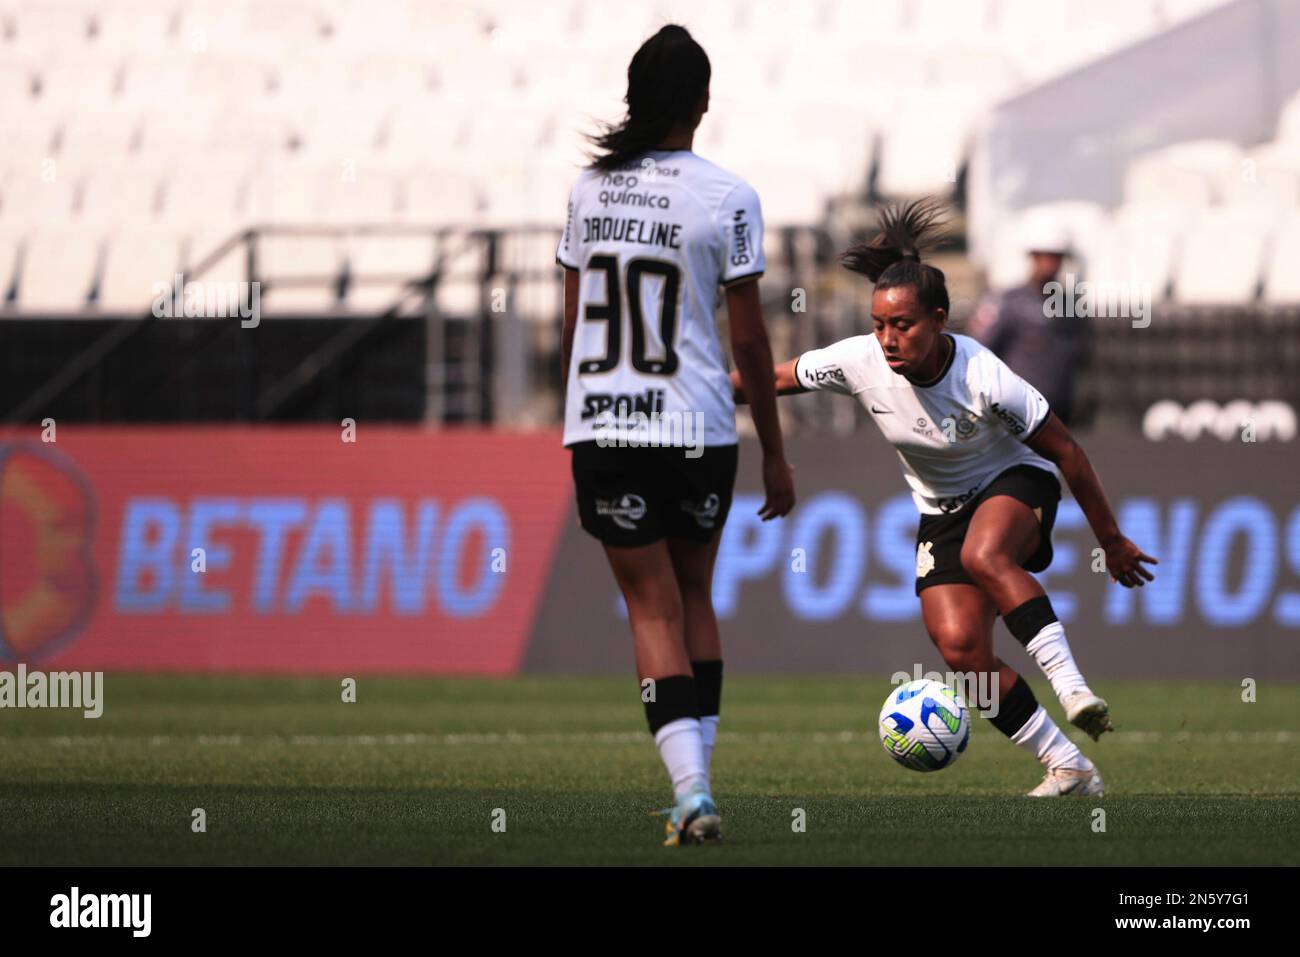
<point>880,411</point>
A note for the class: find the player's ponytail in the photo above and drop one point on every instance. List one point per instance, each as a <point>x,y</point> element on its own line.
<point>893,256</point>
<point>665,81</point>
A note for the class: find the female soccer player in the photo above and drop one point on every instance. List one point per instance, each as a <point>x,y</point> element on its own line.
<point>977,445</point>
<point>653,230</point>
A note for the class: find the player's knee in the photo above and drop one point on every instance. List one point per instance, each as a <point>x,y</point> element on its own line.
<point>985,565</point>
<point>695,590</point>
<point>960,648</point>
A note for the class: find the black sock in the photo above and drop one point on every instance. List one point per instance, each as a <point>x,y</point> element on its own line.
<point>1027,620</point>
<point>708,685</point>
<point>671,699</point>
<point>1016,707</point>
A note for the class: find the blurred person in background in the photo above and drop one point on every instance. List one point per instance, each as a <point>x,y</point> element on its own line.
<point>1013,324</point>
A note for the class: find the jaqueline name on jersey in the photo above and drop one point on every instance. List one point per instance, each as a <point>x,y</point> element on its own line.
<point>629,230</point>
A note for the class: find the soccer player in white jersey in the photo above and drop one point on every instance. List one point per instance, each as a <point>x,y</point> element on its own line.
<point>653,231</point>
<point>980,450</point>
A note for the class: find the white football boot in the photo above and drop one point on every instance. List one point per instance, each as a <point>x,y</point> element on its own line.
<point>1063,782</point>
<point>1090,714</point>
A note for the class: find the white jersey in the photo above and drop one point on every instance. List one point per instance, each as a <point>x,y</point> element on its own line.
<point>953,436</point>
<point>653,241</point>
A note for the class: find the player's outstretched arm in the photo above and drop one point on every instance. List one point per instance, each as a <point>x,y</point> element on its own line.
<point>1123,559</point>
<point>785,382</point>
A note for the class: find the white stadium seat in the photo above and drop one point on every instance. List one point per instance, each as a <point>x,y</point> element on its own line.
<point>924,148</point>
<point>441,195</point>
<point>1221,260</point>
<point>58,269</point>
<point>136,261</point>
<point>202,117</point>
<point>118,193</point>
<point>1288,122</point>
<point>40,194</point>
<point>1268,175</point>
<point>1186,173</point>
<point>8,263</point>
<point>385,260</point>
<point>1281,275</point>
<point>319,259</point>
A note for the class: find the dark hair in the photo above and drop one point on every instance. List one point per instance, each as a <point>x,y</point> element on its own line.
<point>892,257</point>
<point>665,80</point>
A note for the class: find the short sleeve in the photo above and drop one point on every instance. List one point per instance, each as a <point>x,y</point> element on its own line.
<point>741,220</point>
<point>1011,400</point>
<point>567,253</point>
<point>832,369</point>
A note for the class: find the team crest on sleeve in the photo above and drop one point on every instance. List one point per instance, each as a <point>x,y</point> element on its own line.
<point>924,560</point>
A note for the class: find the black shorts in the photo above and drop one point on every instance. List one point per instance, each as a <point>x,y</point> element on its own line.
<point>939,537</point>
<point>635,496</point>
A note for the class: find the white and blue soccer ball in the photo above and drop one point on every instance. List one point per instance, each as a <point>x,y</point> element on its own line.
<point>924,725</point>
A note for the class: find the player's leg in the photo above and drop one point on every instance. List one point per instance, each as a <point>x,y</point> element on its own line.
<point>1004,537</point>
<point>648,582</point>
<point>959,619</point>
<point>701,487</point>
<point>693,565</point>
<point>623,503</point>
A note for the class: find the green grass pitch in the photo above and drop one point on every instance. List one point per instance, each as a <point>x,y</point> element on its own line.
<point>413,772</point>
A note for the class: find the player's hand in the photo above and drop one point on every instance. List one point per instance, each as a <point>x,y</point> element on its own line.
<point>778,483</point>
<point>1124,562</point>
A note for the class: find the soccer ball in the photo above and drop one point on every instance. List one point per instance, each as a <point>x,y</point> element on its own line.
<point>924,725</point>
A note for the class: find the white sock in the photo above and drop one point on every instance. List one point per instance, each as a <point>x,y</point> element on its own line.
<point>1043,739</point>
<point>1052,653</point>
<point>681,745</point>
<point>709,734</point>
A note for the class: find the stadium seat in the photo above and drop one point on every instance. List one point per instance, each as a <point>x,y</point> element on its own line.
<point>925,147</point>
<point>1268,175</point>
<point>199,244</point>
<point>441,195</point>
<point>1139,245</point>
<point>115,194</point>
<point>58,269</point>
<point>1221,260</point>
<point>40,194</point>
<point>315,258</point>
<point>289,192</point>
<point>83,83</point>
<point>8,264</point>
<point>135,26</point>
<point>99,135</point>
<point>1281,275</point>
<point>378,266</point>
<point>1288,122</point>
<point>1186,173</point>
<point>136,261</point>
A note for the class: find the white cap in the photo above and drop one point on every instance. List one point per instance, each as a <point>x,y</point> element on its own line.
<point>1043,235</point>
